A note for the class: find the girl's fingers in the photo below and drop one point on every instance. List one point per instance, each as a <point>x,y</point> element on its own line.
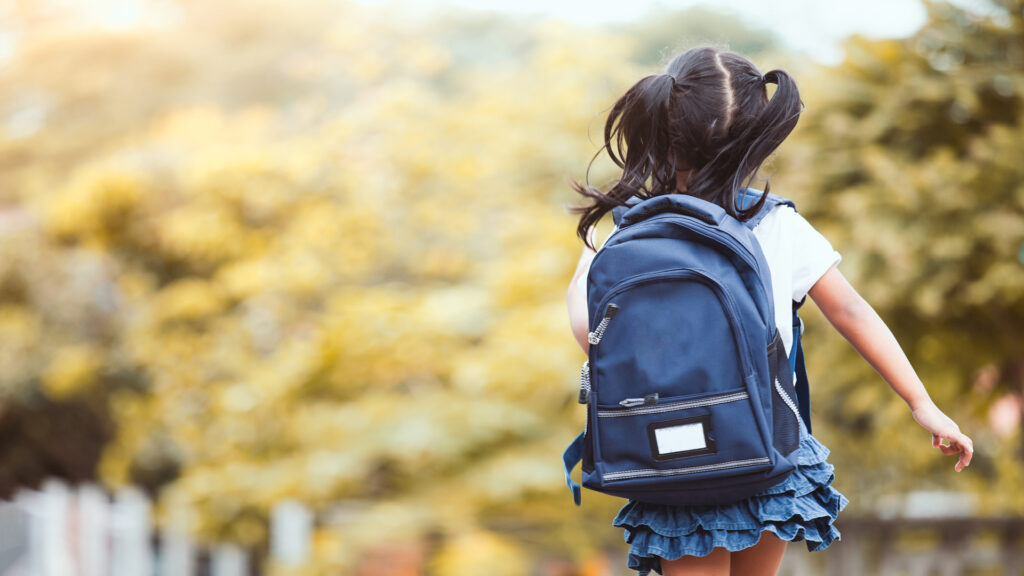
<point>968,452</point>
<point>958,444</point>
<point>967,440</point>
<point>950,440</point>
<point>963,461</point>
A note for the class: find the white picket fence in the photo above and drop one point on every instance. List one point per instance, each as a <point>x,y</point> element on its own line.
<point>65,531</point>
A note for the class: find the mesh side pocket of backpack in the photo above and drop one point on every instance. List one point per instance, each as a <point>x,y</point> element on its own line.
<point>785,413</point>
<point>786,428</point>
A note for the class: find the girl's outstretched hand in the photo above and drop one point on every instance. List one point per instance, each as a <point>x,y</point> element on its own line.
<point>946,435</point>
<point>858,322</point>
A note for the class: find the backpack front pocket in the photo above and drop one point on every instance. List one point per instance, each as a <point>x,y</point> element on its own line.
<point>685,435</point>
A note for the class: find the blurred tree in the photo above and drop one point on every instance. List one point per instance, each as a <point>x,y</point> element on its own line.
<point>337,278</point>
<point>55,342</point>
<point>909,158</point>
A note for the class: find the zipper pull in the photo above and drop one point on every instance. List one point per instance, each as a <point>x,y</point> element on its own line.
<point>595,337</point>
<point>585,383</point>
<point>648,400</point>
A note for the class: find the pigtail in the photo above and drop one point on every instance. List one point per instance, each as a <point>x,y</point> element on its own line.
<point>710,113</point>
<point>759,125</point>
<point>769,129</point>
<point>636,137</point>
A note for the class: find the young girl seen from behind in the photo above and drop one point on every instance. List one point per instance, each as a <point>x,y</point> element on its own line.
<point>704,128</point>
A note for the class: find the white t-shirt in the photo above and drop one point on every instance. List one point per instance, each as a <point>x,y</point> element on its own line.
<point>797,256</point>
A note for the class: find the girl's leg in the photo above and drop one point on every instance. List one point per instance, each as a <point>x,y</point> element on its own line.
<point>714,564</point>
<point>761,559</point>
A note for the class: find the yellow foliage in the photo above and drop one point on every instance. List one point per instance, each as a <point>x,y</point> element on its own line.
<point>97,205</point>
<point>20,331</point>
<point>187,299</point>
<point>72,371</point>
<point>480,552</point>
<point>206,235</point>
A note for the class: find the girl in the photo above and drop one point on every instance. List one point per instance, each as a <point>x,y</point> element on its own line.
<point>703,128</point>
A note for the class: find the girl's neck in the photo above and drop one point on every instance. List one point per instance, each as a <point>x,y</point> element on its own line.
<point>682,177</point>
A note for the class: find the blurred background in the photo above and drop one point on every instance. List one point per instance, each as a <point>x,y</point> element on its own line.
<point>282,283</point>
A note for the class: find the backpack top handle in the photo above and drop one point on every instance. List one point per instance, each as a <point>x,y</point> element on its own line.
<point>707,212</point>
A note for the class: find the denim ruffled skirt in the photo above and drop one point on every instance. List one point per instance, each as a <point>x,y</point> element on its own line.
<point>801,507</point>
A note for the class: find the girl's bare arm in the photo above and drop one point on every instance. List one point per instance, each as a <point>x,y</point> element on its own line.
<point>579,320</point>
<point>858,322</point>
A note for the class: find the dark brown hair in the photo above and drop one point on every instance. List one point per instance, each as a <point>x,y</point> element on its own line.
<point>708,113</point>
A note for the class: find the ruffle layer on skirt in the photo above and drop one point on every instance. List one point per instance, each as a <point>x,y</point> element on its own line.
<point>801,507</point>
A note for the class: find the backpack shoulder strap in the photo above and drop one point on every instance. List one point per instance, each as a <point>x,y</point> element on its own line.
<point>749,196</point>
<point>796,357</point>
<point>618,211</point>
<point>570,458</point>
<point>796,365</point>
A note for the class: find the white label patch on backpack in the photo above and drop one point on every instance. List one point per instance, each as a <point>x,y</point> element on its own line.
<point>681,438</point>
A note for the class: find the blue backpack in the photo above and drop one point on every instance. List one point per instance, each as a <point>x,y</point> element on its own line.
<point>689,393</point>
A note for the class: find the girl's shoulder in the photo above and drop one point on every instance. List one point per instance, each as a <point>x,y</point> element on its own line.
<point>795,249</point>
<point>785,222</point>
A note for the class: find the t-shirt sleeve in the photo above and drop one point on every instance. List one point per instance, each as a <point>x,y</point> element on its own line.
<point>813,255</point>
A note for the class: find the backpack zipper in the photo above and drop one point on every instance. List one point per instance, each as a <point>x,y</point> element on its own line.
<point>595,337</point>
<point>724,298</point>
<point>785,398</point>
<point>653,472</point>
<point>673,406</point>
<point>706,230</point>
<point>585,382</point>
<point>710,232</point>
<point>648,400</point>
